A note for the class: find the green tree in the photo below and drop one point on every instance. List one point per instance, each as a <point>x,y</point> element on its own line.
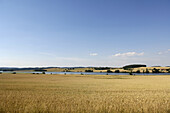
<point>138,71</point>
<point>117,71</point>
<point>109,71</point>
<point>154,70</point>
<point>147,71</point>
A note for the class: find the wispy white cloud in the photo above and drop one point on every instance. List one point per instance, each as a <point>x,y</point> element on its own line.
<point>69,59</point>
<point>72,61</point>
<point>164,52</point>
<point>93,54</point>
<point>160,53</point>
<point>128,54</point>
<point>46,53</point>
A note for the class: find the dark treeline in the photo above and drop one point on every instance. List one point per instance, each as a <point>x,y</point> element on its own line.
<point>103,68</point>
<point>19,69</point>
<point>133,66</point>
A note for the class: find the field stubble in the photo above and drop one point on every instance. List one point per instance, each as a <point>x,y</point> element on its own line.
<point>84,93</point>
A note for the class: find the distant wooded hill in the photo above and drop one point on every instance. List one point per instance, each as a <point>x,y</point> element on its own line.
<point>133,66</point>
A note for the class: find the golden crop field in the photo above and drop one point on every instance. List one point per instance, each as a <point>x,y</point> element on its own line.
<point>28,93</point>
<point>141,69</point>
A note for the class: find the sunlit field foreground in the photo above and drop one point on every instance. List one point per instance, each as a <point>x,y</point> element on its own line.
<point>84,93</point>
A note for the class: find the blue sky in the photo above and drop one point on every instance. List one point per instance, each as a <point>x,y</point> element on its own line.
<point>84,32</point>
